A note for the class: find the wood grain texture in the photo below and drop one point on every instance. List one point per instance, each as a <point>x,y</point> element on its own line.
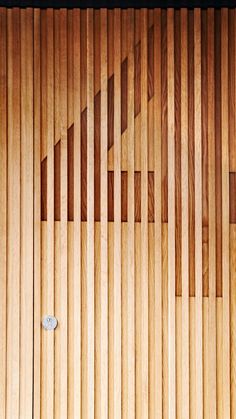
<point>3,206</point>
<point>198,213</point>
<point>13,215</point>
<point>185,216</point>
<point>171,216</point>
<point>117,202</point>
<point>26,316</point>
<point>212,212</point>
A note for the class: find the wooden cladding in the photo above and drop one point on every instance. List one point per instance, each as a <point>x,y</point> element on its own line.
<point>118,213</point>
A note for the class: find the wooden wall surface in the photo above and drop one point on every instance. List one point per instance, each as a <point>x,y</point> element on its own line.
<point>118,213</point>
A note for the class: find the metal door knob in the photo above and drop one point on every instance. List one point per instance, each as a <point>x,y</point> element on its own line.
<point>49,322</point>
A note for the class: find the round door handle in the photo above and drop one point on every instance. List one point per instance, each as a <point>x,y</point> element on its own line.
<point>49,322</point>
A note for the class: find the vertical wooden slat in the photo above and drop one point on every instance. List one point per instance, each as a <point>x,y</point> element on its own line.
<point>49,336</point>
<point>171,215</point>
<point>117,220</point>
<point>37,215</point>
<point>3,206</point>
<point>225,212</point>
<point>129,407</point>
<point>90,219</point>
<point>198,213</point>
<point>77,218</point>
<point>157,408</point>
<point>233,318</point>
<point>144,216</point>
<point>13,217</point>
<point>212,225</point>
<point>26,292</point>
<point>104,219</point>
<point>64,214</point>
<point>185,226</point>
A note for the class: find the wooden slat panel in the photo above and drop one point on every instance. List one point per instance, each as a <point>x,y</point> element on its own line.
<point>3,207</point>
<point>13,216</point>
<point>117,194</point>
<point>171,216</point>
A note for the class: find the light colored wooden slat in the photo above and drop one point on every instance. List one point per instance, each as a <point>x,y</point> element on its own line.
<point>219,356</point>
<point>192,358</point>
<point>3,207</point>
<point>233,318</point>
<point>178,357</point>
<point>164,244</point>
<point>57,212</point>
<point>171,216</point>
<point>206,410</point>
<point>64,216</point>
<point>37,214</point>
<point>77,218</point>
<point>13,216</point>
<point>225,212</point>
<point>48,383</point>
<point>185,215</point>
<point>104,218</point>
<point>212,216</point>
<point>129,407</point>
<point>157,208</point>
<point>90,218</point>
<point>144,216</point>
<point>198,212</point>
<point>26,316</point>
<point>116,396</point>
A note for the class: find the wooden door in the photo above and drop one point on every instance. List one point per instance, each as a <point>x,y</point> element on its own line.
<point>118,214</point>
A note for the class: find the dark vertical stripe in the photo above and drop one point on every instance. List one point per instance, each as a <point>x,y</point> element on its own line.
<point>164,146</point>
<point>70,171</point>
<point>44,189</point>
<point>204,154</point>
<point>191,168</point>
<point>178,229</point>
<point>218,153</point>
<point>57,181</point>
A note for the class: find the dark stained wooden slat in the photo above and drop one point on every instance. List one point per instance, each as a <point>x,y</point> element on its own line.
<point>84,166</point>
<point>70,172</point>
<point>204,120</point>
<point>57,181</point>
<point>218,153</point>
<point>44,189</point>
<point>232,197</point>
<point>137,197</point>
<point>232,81</point>
<point>97,157</point>
<point>178,209</point>
<point>164,146</point>
<point>150,62</point>
<point>191,169</point>
<point>151,199</point>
